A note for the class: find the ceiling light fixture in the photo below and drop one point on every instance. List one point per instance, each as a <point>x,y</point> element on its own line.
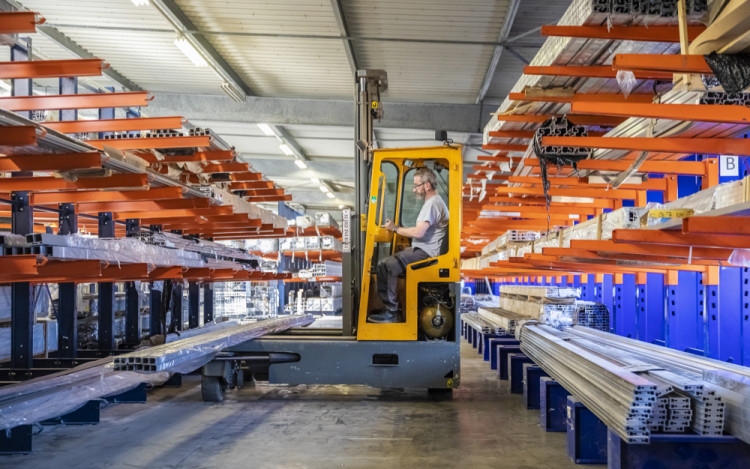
<point>266,129</point>
<point>191,52</point>
<point>300,164</point>
<point>323,188</point>
<point>315,180</point>
<point>140,3</point>
<point>342,206</point>
<point>330,195</point>
<point>285,148</point>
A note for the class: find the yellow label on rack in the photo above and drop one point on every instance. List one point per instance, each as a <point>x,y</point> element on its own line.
<point>363,222</point>
<point>673,213</point>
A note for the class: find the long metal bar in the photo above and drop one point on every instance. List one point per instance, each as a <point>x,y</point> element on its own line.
<point>192,141</point>
<point>646,64</point>
<point>184,356</point>
<point>710,146</point>
<point>52,68</point>
<point>116,125</point>
<point>729,114</point>
<point>78,101</point>
<point>591,71</point>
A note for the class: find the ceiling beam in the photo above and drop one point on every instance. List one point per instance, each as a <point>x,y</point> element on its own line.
<point>338,11</point>
<point>510,17</point>
<point>184,26</point>
<point>325,112</point>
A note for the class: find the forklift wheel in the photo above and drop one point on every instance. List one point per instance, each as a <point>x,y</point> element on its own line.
<point>239,380</point>
<point>212,388</point>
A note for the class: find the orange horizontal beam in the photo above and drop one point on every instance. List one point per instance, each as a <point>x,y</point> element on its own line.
<point>75,101</point>
<point>231,167</point>
<point>609,98</point>
<point>578,119</point>
<point>198,221</point>
<point>578,192</point>
<point>115,125</point>
<point>728,114</point>
<point>511,133</point>
<point>238,186</point>
<point>495,158</point>
<point>590,71</point>
<point>692,168</point>
<point>726,225</point>
<point>18,135</point>
<point>194,141</point>
<point>52,68</point>
<point>275,198</point>
<point>141,205</point>
<point>504,147</point>
<point>645,250</point>
<point>650,184</point>
<point>209,155</point>
<point>624,33</point>
<point>41,184</point>
<point>71,269</point>
<point>12,22</point>
<point>51,162</point>
<point>164,273</point>
<point>659,63</point>
<point>19,265</point>
<point>263,192</point>
<point>176,213</point>
<point>676,238</point>
<point>712,146</point>
<point>105,196</point>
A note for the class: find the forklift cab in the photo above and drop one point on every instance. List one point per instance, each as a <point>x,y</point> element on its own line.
<point>426,297</point>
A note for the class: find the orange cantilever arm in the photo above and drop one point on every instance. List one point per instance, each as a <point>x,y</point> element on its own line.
<point>105,196</point>
<point>53,162</point>
<point>721,146</point>
<point>238,186</point>
<point>660,63</point>
<point>676,238</point>
<point>191,141</point>
<point>610,98</point>
<point>173,213</point>
<point>577,192</point>
<point>52,68</point>
<point>75,101</point>
<point>18,135</point>
<point>730,114</point>
<point>115,125</point>
<point>623,33</point>
<point>12,22</point>
<point>591,71</point>
<point>209,155</point>
<point>44,184</point>
<point>692,168</point>
<point>578,119</point>
<point>231,167</point>
<point>504,147</point>
<point>511,134</point>
<point>717,225</point>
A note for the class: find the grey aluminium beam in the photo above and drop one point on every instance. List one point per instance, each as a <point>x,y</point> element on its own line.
<point>510,17</point>
<point>326,112</point>
<point>185,26</point>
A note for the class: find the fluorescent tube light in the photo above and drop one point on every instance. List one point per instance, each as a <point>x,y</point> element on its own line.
<point>300,164</point>
<point>323,188</point>
<point>285,148</point>
<point>330,195</point>
<point>266,129</point>
<point>190,52</point>
<point>315,180</point>
<point>140,3</point>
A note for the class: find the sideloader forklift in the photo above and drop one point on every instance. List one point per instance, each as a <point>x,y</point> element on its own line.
<point>420,352</point>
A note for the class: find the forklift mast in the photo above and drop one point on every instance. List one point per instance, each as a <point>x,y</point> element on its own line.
<point>369,84</point>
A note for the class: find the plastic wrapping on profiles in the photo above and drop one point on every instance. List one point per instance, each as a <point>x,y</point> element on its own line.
<point>48,397</point>
<point>731,70</point>
<point>184,356</point>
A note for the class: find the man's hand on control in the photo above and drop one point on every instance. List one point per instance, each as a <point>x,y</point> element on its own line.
<point>390,226</point>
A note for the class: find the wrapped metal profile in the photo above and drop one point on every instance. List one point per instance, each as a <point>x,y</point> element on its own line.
<point>184,356</point>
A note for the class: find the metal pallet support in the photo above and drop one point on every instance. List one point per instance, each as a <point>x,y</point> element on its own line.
<point>586,435</point>
<point>106,313</point>
<point>552,405</point>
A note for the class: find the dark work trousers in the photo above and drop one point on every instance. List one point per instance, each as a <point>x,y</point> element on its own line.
<point>388,271</point>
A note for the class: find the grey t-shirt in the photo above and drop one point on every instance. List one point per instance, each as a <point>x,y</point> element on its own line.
<point>435,212</point>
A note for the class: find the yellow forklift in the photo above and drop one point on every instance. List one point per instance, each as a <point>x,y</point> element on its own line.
<point>420,352</point>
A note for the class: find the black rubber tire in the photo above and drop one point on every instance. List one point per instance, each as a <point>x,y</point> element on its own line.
<point>239,380</point>
<point>212,388</point>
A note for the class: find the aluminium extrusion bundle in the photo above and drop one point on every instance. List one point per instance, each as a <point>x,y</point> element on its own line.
<point>483,324</point>
<point>504,320</point>
<point>184,356</point>
<point>622,399</point>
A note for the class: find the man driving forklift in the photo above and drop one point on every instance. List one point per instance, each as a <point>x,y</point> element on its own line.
<point>427,236</point>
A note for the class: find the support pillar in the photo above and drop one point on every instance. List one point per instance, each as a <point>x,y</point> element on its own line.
<point>67,315</point>
<point>194,298</point>
<point>106,321</point>
<point>208,302</point>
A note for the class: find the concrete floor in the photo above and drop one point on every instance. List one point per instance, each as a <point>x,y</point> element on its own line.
<point>271,426</point>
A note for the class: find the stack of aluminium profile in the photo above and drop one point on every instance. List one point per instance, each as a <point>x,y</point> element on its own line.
<point>327,269</point>
<point>621,399</point>
<point>184,356</point>
<point>482,324</point>
<point>716,389</point>
<point>549,304</point>
<point>505,321</point>
<point>592,314</point>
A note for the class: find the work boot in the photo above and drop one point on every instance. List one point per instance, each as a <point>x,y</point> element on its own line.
<point>385,316</point>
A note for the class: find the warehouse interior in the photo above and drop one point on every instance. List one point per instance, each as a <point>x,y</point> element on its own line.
<point>506,233</point>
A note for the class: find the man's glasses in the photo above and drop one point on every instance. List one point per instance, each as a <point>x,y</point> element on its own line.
<point>421,184</point>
